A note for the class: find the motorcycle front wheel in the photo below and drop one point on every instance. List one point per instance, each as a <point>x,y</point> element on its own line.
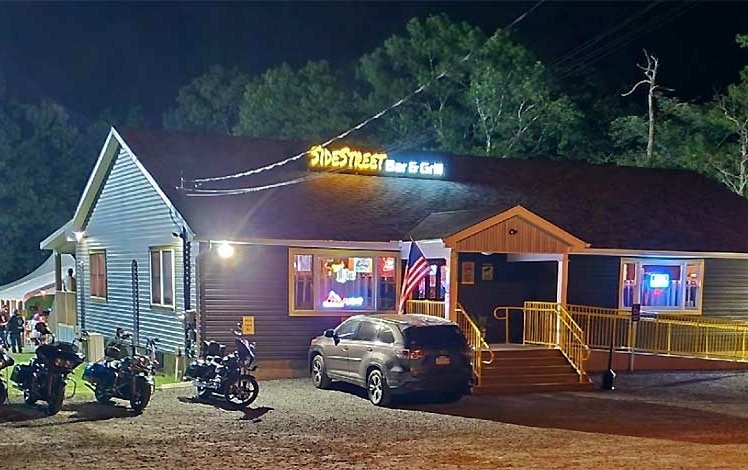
<point>243,392</point>
<point>142,395</point>
<point>55,399</point>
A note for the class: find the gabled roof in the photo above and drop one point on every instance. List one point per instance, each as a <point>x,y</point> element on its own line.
<point>609,207</point>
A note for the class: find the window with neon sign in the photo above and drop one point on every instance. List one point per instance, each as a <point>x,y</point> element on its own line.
<point>662,284</point>
<point>338,281</point>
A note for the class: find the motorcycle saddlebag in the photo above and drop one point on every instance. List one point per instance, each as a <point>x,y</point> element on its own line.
<point>21,374</point>
<point>96,372</point>
<point>196,370</point>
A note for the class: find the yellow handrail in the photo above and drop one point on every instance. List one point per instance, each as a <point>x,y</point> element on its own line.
<point>671,334</point>
<point>434,308</point>
<point>475,340</point>
<point>550,324</point>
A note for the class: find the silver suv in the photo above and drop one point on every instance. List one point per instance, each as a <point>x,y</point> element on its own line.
<point>392,354</point>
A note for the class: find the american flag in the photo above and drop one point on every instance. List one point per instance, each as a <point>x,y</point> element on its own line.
<point>416,270</point>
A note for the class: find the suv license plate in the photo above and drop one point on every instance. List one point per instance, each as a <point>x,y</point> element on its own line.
<point>442,360</point>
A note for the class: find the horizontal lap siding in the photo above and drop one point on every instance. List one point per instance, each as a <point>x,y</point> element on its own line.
<point>127,219</point>
<point>594,281</point>
<point>255,282</point>
<point>725,287</point>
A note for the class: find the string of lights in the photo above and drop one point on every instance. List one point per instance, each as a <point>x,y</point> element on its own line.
<point>355,128</point>
<point>238,191</point>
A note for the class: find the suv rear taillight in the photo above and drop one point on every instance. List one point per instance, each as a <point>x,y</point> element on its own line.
<point>409,354</point>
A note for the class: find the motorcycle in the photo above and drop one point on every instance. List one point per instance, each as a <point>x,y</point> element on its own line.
<point>46,376</point>
<point>226,376</point>
<point>5,362</point>
<point>121,375</point>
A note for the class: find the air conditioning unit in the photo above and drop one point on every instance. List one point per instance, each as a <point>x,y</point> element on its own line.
<point>94,347</point>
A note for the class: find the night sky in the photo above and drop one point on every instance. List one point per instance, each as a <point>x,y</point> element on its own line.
<point>89,56</point>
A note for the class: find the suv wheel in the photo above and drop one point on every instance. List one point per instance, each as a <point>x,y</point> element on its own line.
<point>376,388</point>
<point>319,372</point>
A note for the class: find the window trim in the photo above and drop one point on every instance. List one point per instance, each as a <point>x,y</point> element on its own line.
<point>341,253</point>
<point>91,295</point>
<point>682,263</point>
<point>161,250</point>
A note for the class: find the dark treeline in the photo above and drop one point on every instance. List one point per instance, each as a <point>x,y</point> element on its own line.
<point>503,103</point>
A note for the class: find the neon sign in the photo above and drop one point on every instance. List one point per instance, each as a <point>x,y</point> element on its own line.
<point>334,300</point>
<point>659,281</point>
<point>346,159</point>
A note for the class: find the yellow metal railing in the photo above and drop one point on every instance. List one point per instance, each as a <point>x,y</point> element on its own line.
<point>671,334</point>
<point>475,340</point>
<point>550,324</point>
<point>426,307</point>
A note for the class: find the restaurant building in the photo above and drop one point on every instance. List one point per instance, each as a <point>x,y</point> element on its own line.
<point>289,251</point>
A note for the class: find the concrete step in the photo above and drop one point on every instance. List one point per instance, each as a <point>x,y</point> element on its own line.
<point>509,370</point>
<point>510,362</point>
<point>516,389</point>
<point>563,378</point>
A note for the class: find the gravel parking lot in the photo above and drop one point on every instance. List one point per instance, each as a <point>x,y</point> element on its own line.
<point>677,420</point>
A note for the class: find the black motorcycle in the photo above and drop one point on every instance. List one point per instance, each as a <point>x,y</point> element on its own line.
<point>226,376</point>
<point>45,376</point>
<point>5,362</point>
<point>121,375</point>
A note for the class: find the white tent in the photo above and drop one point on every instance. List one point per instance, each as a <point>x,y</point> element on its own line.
<point>38,282</point>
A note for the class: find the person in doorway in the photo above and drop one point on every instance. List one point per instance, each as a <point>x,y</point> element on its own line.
<point>68,283</point>
<point>15,328</point>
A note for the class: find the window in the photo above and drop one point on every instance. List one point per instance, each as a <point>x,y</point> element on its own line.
<point>385,335</point>
<point>332,281</point>
<point>348,329</point>
<point>162,277</point>
<point>367,331</point>
<point>661,284</point>
<point>435,285</point>
<point>97,262</point>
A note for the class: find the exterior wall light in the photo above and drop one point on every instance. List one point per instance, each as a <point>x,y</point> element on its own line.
<point>79,235</point>
<point>225,250</point>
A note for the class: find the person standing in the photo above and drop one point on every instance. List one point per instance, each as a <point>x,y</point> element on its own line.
<point>4,318</point>
<point>68,284</point>
<point>15,328</point>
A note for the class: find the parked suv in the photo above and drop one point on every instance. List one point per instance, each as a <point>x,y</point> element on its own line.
<point>393,354</point>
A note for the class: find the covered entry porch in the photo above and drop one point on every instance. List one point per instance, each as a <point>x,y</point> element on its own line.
<point>507,284</point>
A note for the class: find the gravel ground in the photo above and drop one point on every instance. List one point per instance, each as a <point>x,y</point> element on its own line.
<point>675,420</point>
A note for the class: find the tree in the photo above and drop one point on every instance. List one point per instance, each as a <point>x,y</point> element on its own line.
<point>311,103</point>
<point>650,72</point>
<point>46,174</point>
<point>494,98</point>
<point>209,103</point>
<point>403,64</point>
<point>515,109</point>
<point>731,111</point>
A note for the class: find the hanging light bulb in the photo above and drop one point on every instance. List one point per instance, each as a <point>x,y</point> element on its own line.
<point>225,250</point>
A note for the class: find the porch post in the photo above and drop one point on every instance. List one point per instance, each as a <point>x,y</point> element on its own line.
<point>563,279</point>
<point>453,268</point>
<point>58,271</point>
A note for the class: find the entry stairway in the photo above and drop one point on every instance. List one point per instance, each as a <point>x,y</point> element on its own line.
<point>550,358</point>
<point>516,369</point>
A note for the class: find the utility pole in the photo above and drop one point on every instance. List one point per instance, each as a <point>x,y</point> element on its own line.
<point>650,71</point>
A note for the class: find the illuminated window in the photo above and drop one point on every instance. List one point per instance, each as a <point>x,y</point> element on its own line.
<point>162,277</point>
<point>303,285</point>
<point>334,281</point>
<point>97,263</point>
<point>433,286</point>
<point>661,284</point>
<point>345,283</point>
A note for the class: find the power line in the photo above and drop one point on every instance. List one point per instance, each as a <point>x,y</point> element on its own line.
<point>605,50</point>
<point>364,123</point>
